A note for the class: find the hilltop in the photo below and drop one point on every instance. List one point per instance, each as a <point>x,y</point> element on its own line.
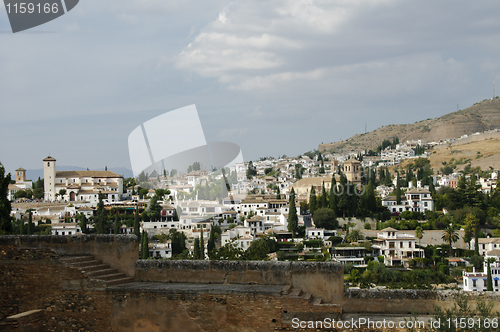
<point>479,117</point>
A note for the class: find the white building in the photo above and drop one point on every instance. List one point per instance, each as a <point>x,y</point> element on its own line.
<point>83,186</point>
<point>397,248</point>
<point>66,229</point>
<point>478,281</point>
<point>240,235</point>
<point>417,200</point>
<point>486,245</point>
<point>21,184</point>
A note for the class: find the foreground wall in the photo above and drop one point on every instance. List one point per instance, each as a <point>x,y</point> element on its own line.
<point>408,301</point>
<point>322,280</point>
<point>119,251</point>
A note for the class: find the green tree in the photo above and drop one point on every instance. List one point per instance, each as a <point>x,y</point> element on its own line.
<point>137,223</point>
<point>333,195</point>
<point>196,249</point>
<point>31,227</point>
<point>324,199</point>
<point>144,245</point>
<point>117,224</point>
<point>202,244</point>
<point>83,222</point>
<point>354,236</point>
<point>278,193</point>
<point>489,279</point>
<point>398,191</point>
<point>251,170</point>
<point>471,229</point>
<point>312,200</point>
<point>419,234</point>
<point>211,241</point>
<point>293,220</point>
<point>325,218</point>
<point>450,236</point>
<point>154,209</point>
<point>143,193</point>
<point>102,218</point>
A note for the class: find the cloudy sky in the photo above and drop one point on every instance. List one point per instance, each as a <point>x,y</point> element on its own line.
<point>275,77</point>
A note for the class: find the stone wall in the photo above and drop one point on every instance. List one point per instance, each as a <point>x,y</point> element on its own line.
<point>324,280</point>
<point>407,301</point>
<point>119,251</point>
<point>33,279</point>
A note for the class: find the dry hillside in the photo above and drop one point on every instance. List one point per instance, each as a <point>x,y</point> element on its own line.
<point>477,118</point>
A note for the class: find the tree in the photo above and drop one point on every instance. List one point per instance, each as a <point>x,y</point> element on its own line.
<point>154,209</point>
<point>278,193</point>
<point>251,171</point>
<point>144,245</point>
<point>117,223</point>
<point>202,244</point>
<point>325,218</point>
<point>333,195</point>
<point>5,205</point>
<point>419,234</point>
<point>450,236</point>
<point>102,218</point>
<point>471,229</point>
<point>143,192</point>
<point>62,192</point>
<point>137,224</point>
<point>83,222</point>
<point>324,200</point>
<point>312,200</point>
<point>293,220</point>
<point>211,241</point>
<point>196,249</point>
<point>489,279</point>
<point>398,191</point>
<point>354,236</point>
<point>31,227</point>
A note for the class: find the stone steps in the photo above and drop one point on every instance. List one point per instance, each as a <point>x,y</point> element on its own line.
<point>96,270</point>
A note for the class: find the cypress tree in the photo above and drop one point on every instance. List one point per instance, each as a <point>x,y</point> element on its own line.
<point>117,223</point>
<point>489,279</point>
<point>30,227</point>
<point>202,245</point>
<point>312,200</point>
<point>324,200</point>
<point>278,193</point>
<point>211,241</point>
<point>137,224</point>
<point>333,195</point>
<point>293,220</point>
<point>398,191</point>
<point>22,230</point>
<point>196,249</point>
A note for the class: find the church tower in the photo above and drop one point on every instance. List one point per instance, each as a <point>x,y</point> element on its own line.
<point>20,175</point>
<point>49,178</point>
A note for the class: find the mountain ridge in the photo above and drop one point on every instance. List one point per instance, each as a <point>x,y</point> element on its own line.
<point>481,116</point>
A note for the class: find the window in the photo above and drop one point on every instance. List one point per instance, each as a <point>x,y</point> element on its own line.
<point>473,282</point>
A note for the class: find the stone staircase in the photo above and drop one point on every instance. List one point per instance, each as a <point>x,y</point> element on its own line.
<point>95,270</point>
<point>299,294</point>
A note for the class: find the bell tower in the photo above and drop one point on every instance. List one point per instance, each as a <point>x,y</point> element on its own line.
<point>49,178</point>
<point>20,175</point>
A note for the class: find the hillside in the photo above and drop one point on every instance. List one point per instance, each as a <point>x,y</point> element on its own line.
<point>477,118</point>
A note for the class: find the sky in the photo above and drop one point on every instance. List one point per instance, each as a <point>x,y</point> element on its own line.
<point>275,77</point>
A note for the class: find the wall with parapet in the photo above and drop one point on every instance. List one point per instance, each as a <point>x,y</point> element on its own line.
<point>119,251</point>
<point>323,280</point>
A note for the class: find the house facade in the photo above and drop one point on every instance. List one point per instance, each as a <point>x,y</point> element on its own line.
<point>397,248</point>
<point>417,200</point>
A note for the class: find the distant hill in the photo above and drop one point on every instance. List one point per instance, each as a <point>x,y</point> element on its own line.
<point>477,118</point>
<point>33,174</point>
